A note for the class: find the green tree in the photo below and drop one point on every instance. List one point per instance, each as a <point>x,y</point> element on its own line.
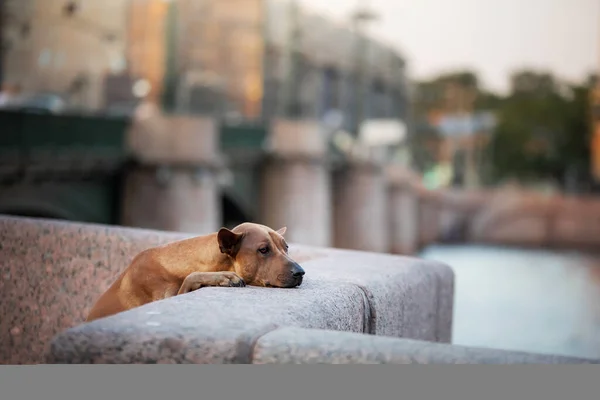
<point>543,130</point>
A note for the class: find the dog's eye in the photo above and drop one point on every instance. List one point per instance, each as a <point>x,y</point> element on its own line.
<point>263,250</point>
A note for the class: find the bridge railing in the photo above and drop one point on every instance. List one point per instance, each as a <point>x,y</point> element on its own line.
<point>36,145</point>
<point>499,216</point>
<point>282,174</point>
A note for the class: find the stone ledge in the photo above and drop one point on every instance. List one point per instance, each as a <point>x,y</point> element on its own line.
<point>56,270</point>
<point>52,273</point>
<point>408,297</point>
<point>360,293</point>
<point>212,325</point>
<point>304,346</point>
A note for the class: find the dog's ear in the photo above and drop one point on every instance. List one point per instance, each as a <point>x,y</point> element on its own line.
<point>282,231</point>
<point>229,242</point>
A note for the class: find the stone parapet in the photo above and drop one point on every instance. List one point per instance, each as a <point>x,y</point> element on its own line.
<point>343,291</point>
<point>304,346</point>
<point>55,271</point>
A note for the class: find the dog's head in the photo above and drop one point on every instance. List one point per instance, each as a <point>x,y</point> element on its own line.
<point>260,255</point>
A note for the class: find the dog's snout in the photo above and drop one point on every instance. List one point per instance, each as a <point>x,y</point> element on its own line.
<point>297,271</point>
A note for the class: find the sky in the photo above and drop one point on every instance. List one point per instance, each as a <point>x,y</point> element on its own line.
<point>491,37</point>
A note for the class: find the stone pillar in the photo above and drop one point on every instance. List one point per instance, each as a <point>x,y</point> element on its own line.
<point>403,212</point>
<point>173,184</point>
<point>180,199</point>
<point>361,207</point>
<point>429,213</point>
<point>295,183</point>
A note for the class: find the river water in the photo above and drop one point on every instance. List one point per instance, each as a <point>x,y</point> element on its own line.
<point>530,300</point>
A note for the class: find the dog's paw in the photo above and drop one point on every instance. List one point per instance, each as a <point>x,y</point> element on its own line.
<point>232,280</point>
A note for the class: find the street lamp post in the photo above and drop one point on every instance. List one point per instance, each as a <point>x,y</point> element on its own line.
<point>289,104</point>
<point>359,19</point>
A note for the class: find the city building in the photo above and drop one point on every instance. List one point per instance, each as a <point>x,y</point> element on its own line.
<point>450,133</point>
<point>245,60</point>
<point>64,47</point>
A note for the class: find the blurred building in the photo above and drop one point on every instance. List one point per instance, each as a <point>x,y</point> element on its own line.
<point>451,130</point>
<point>64,47</point>
<point>330,66</point>
<point>239,59</point>
<point>265,58</point>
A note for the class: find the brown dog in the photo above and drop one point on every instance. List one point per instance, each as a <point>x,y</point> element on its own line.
<point>249,254</point>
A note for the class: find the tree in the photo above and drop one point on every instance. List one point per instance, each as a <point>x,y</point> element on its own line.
<point>543,130</point>
<point>488,101</point>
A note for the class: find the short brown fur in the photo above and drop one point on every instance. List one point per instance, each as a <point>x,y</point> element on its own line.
<point>250,254</point>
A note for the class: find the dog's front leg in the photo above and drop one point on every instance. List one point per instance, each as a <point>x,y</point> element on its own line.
<point>196,280</point>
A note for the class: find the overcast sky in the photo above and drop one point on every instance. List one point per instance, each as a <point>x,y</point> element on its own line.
<point>492,37</point>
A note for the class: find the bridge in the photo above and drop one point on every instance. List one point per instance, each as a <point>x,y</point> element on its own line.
<point>192,174</point>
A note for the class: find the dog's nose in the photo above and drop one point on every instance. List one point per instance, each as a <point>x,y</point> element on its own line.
<point>297,271</point>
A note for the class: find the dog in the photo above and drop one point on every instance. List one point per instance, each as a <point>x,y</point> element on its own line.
<point>249,254</point>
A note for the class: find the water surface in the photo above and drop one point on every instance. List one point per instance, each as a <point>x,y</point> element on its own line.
<point>530,300</point>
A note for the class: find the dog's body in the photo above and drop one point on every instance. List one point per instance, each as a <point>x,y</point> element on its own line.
<point>249,254</point>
